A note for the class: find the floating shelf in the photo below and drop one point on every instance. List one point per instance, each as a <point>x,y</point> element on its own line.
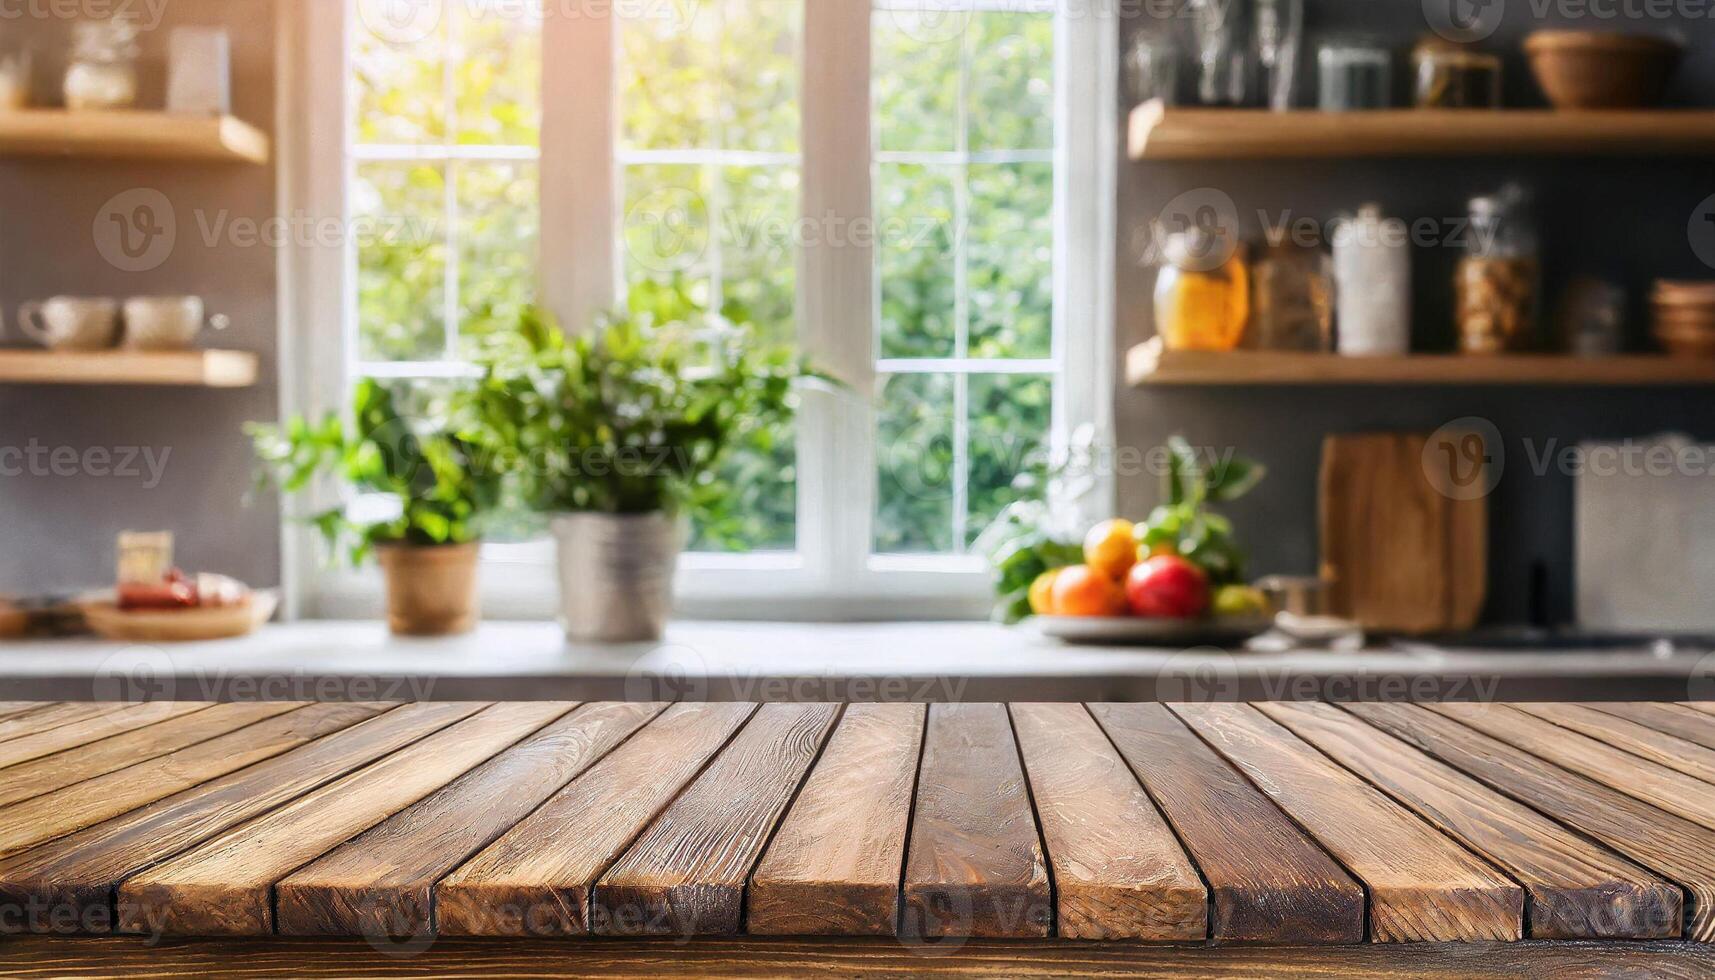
<point>130,135</point>
<point>192,368</point>
<point>1165,133</point>
<point>1148,365</point>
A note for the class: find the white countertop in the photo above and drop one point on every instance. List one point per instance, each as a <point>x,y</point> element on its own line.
<point>779,661</point>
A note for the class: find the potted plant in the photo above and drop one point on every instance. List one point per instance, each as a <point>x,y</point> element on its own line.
<point>617,435</point>
<point>420,495</point>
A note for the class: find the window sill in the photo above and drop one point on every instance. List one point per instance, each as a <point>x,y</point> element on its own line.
<point>784,661</point>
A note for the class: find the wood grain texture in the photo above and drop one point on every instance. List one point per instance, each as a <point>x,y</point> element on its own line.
<point>36,958</point>
<point>1671,719</point>
<point>326,959</point>
<point>685,876</point>
<point>834,866</point>
<point>224,885</point>
<point>1669,750</point>
<point>10,708</point>
<point>1669,789</point>
<point>1577,889</point>
<point>1676,848</point>
<point>975,865</point>
<point>85,804</point>
<point>122,719</point>
<point>44,775</point>
<point>53,714</point>
<point>1423,887</point>
<point>536,879</point>
<point>76,876</point>
<point>1269,882</point>
<point>381,883</point>
<point>1119,873</point>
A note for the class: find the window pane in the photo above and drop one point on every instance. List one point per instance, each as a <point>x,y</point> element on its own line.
<point>1011,87</point>
<point>669,67</point>
<point>667,259</point>
<point>399,224</point>
<point>497,81</point>
<point>498,220</point>
<point>1010,418</point>
<point>915,214</point>
<point>916,67</point>
<point>759,61</point>
<point>915,455</point>
<point>1010,259</point>
<point>399,81</point>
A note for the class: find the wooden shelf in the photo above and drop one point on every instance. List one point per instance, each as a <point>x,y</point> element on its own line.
<point>130,135</point>
<point>1165,133</point>
<point>1148,365</point>
<point>192,368</point>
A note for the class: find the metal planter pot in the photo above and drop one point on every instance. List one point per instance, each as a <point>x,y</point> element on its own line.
<point>616,575</point>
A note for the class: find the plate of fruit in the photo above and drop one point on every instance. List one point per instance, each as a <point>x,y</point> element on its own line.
<point>1175,578</point>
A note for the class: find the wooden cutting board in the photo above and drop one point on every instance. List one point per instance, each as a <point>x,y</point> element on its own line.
<point>1405,529</point>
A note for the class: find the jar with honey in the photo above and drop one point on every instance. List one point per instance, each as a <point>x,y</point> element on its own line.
<point>1202,292</point>
<point>1496,283</point>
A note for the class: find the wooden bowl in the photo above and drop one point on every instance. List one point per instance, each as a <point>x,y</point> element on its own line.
<point>1595,70</point>
<point>180,625</point>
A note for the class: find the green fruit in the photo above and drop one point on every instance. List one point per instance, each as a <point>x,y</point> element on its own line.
<point>1239,600</point>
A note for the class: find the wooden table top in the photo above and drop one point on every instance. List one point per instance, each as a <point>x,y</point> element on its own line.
<point>1273,823</point>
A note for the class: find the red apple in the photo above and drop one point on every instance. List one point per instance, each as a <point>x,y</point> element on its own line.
<point>1167,587</point>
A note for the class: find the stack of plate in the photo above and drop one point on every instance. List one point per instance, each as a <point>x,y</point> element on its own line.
<point>1685,317</point>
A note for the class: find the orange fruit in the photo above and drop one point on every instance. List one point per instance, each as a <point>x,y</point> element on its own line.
<point>1164,548</point>
<point>1110,548</point>
<point>1080,590</point>
<point>1042,593</point>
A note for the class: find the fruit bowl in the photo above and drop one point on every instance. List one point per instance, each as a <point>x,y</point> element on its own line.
<point>1218,631</point>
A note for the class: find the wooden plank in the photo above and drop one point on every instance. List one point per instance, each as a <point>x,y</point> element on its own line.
<point>1269,883</point>
<point>42,958</point>
<point>131,134</point>
<point>75,877</point>
<point>123,718</point>
<point>834,866</point>
<point>51,715</point>
<point>1640,740</point>
<point>1423,887</point>
<point>1577,889</point>
<point>1148,365</point>
<point>685,876</point>
<point>1671,719</point>
<point>1682,851</point>
<point>85,804</point>
<point>62,769</point>
<point>381,883</point>
<point>536,879</point>
<point>224,886</point>
<point>191,368</point>
<point>1651,782</point>
<point>1119,873</point>
<point>975,865</point>
<point>10,708</point>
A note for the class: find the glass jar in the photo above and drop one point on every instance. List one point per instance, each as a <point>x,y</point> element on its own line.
<point>1224,64</point>
<point>1372,280</point>
<point>1495,286</point>
<point>1292,299</point>
<point>1202,293</point>
<point>1450,76</point>
<point>1152,69</point>
<point>102,73</point>
<point>1354,75</point>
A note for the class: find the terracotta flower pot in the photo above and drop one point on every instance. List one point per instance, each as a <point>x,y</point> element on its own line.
<point>431,591</point>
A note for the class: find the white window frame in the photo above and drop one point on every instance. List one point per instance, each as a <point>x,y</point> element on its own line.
<point>832,575</point>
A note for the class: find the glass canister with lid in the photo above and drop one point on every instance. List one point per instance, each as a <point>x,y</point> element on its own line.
<point>1202,292</point>
<point>102,73</point>
<point>1497,282</point>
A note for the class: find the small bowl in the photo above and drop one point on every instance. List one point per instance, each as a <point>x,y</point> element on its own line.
<point>1596,70</point>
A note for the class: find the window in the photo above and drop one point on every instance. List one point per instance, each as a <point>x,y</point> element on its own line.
<point>917,191</point>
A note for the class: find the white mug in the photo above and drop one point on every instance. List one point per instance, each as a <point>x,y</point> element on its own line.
<point>165,322</point>
<point>70,322</point>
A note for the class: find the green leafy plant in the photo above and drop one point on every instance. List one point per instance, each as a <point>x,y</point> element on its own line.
<point>1186,523</point>
<point>633,417</point>
<point>427,486</point>
<point>1021,544</point>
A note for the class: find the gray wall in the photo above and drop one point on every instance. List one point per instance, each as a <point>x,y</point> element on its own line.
<point>1624,219</point>
<point>56,532</point>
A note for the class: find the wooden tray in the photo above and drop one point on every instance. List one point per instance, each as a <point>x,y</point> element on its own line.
<point>182,625</point>
<point>1138,631</point>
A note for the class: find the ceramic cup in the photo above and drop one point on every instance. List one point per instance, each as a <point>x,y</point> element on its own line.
<point>165,322</point>
<point>70,322</point>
